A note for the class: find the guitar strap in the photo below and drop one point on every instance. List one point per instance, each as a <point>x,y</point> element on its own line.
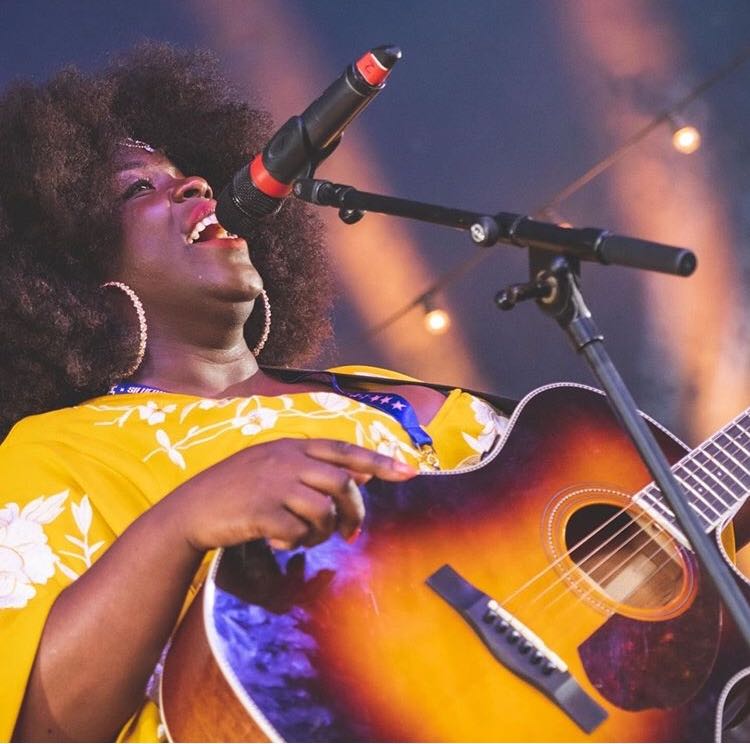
<point>287,374</point>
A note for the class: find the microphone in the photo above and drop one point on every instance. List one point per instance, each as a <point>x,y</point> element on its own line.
<point>257,191</point>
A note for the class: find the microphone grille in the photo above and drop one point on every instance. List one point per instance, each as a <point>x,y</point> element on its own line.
<point>241,205</point>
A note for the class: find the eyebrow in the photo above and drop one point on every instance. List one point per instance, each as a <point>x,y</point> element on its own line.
<point>130,165</point>
<point>135,164</point>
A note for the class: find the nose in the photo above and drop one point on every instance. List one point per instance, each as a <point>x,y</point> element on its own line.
<point>192,187</point>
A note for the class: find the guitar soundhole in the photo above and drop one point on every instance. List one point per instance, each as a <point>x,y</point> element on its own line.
<point>625,558</point>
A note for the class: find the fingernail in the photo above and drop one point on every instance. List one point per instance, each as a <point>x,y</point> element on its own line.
<point>353,537</point>
<point>405,468</point>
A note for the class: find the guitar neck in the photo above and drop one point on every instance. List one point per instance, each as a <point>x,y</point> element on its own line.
<point>715,477</point>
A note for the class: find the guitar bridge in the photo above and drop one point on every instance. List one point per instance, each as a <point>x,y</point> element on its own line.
<point>517,648</point>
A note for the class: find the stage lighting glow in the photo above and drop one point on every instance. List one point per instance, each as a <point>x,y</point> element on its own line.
<point>686,139</point>
<point>437,321</point>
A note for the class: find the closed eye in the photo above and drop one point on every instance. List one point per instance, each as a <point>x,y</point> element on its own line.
<point>142,184</point>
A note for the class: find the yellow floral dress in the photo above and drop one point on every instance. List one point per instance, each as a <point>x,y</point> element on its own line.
<point>72,480</point>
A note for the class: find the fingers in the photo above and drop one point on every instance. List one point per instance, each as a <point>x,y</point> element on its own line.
<point>345,497</point>
<point>286,531</point>
<point>354,466</point>
<point>358,459</point>
<point>304,490</point>
<point>317,510</point>
<point>360,478</point>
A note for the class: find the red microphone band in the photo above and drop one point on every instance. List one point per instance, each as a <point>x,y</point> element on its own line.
<point>264,181</point>
<point>371,70</point>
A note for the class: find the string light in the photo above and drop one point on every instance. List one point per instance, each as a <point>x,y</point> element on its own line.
<point>436,320</point>
<point>480,254</point>
<point>685,137</point>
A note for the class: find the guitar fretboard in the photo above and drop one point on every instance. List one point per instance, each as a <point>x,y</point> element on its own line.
<point>715,476</point>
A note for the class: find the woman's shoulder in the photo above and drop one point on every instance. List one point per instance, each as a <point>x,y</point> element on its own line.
<point>65,422</point>
<point>37,426</point>
<point>427,401</point>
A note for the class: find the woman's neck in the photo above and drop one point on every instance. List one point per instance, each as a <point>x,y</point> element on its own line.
<point>181,367</point>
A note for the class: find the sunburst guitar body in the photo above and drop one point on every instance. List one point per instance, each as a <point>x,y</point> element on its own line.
<point>544,595</point>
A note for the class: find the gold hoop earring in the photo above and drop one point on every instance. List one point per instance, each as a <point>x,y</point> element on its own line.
<point>266,324</point>
<point>142,325</point>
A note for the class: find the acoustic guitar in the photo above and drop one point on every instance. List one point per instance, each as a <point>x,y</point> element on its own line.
<point>545,594</point>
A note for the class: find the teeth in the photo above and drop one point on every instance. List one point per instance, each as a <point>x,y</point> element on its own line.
<point>201,226</point>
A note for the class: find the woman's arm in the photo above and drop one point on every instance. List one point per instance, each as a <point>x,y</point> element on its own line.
<point>106,631</point>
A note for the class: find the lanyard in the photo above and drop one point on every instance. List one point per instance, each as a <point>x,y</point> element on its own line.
<point>121,388</point>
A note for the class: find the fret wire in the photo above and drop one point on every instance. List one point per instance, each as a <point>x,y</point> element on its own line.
<point>655,509</point>
<point>706,481</point>
<point>658,501</point>
<point>741,427</point>
<point>726,459</point>
<point>651,497</point>
<point>729,454</point>
<point>734,440</point>
<point>697,510</point>
<point>738,474</point>
<point>740,422</point>
<point>703,488</point>
<point>728,472</point>
<point>698,485</point>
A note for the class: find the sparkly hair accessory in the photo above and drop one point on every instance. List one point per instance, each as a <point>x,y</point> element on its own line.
<point>142,325</point>
<point>266,324</point>
<point>139,144</point>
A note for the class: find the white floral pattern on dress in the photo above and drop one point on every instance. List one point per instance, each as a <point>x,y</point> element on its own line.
<point>256,421</point>
<point>371,428</point>
<point>154,413</point>
<point>82,515</point>
<point>25,557</point>
<point>173,453</point>
<point>331,401</point>
<point>387,443</point>
<point>493,425</point>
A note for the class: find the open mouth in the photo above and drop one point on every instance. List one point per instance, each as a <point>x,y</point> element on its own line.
<point>208,229</point>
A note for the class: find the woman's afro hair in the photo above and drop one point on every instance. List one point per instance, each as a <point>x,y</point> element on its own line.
<point>62,339</point>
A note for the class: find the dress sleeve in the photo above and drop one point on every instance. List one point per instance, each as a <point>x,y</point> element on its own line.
<point>465,430</point>
<point>51,531</point>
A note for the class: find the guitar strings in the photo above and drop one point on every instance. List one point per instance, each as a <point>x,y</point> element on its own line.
<point>587,574</point>
<point>599,548</point>
<point>567,554</point>
<point>649,576</point>
<point>644,493</point>
<point>600,583</point>
<point>589,536</point>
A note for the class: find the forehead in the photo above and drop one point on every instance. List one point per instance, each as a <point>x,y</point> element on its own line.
<point>135,158</point>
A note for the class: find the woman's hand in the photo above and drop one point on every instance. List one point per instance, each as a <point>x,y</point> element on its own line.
<point>291,492</point>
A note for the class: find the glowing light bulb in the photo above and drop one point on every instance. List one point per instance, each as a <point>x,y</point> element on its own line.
<point>437,321</point>
<point>686,139</point>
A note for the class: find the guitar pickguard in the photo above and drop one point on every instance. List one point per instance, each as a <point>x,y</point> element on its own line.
<point>639,665</point>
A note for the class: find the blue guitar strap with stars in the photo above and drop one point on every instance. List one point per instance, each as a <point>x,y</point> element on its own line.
<point>394,405</point>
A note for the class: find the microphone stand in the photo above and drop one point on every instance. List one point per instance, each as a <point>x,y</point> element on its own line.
<point>555,254</point>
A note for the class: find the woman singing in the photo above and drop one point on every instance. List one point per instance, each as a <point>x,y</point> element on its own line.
<point>141,432</point>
